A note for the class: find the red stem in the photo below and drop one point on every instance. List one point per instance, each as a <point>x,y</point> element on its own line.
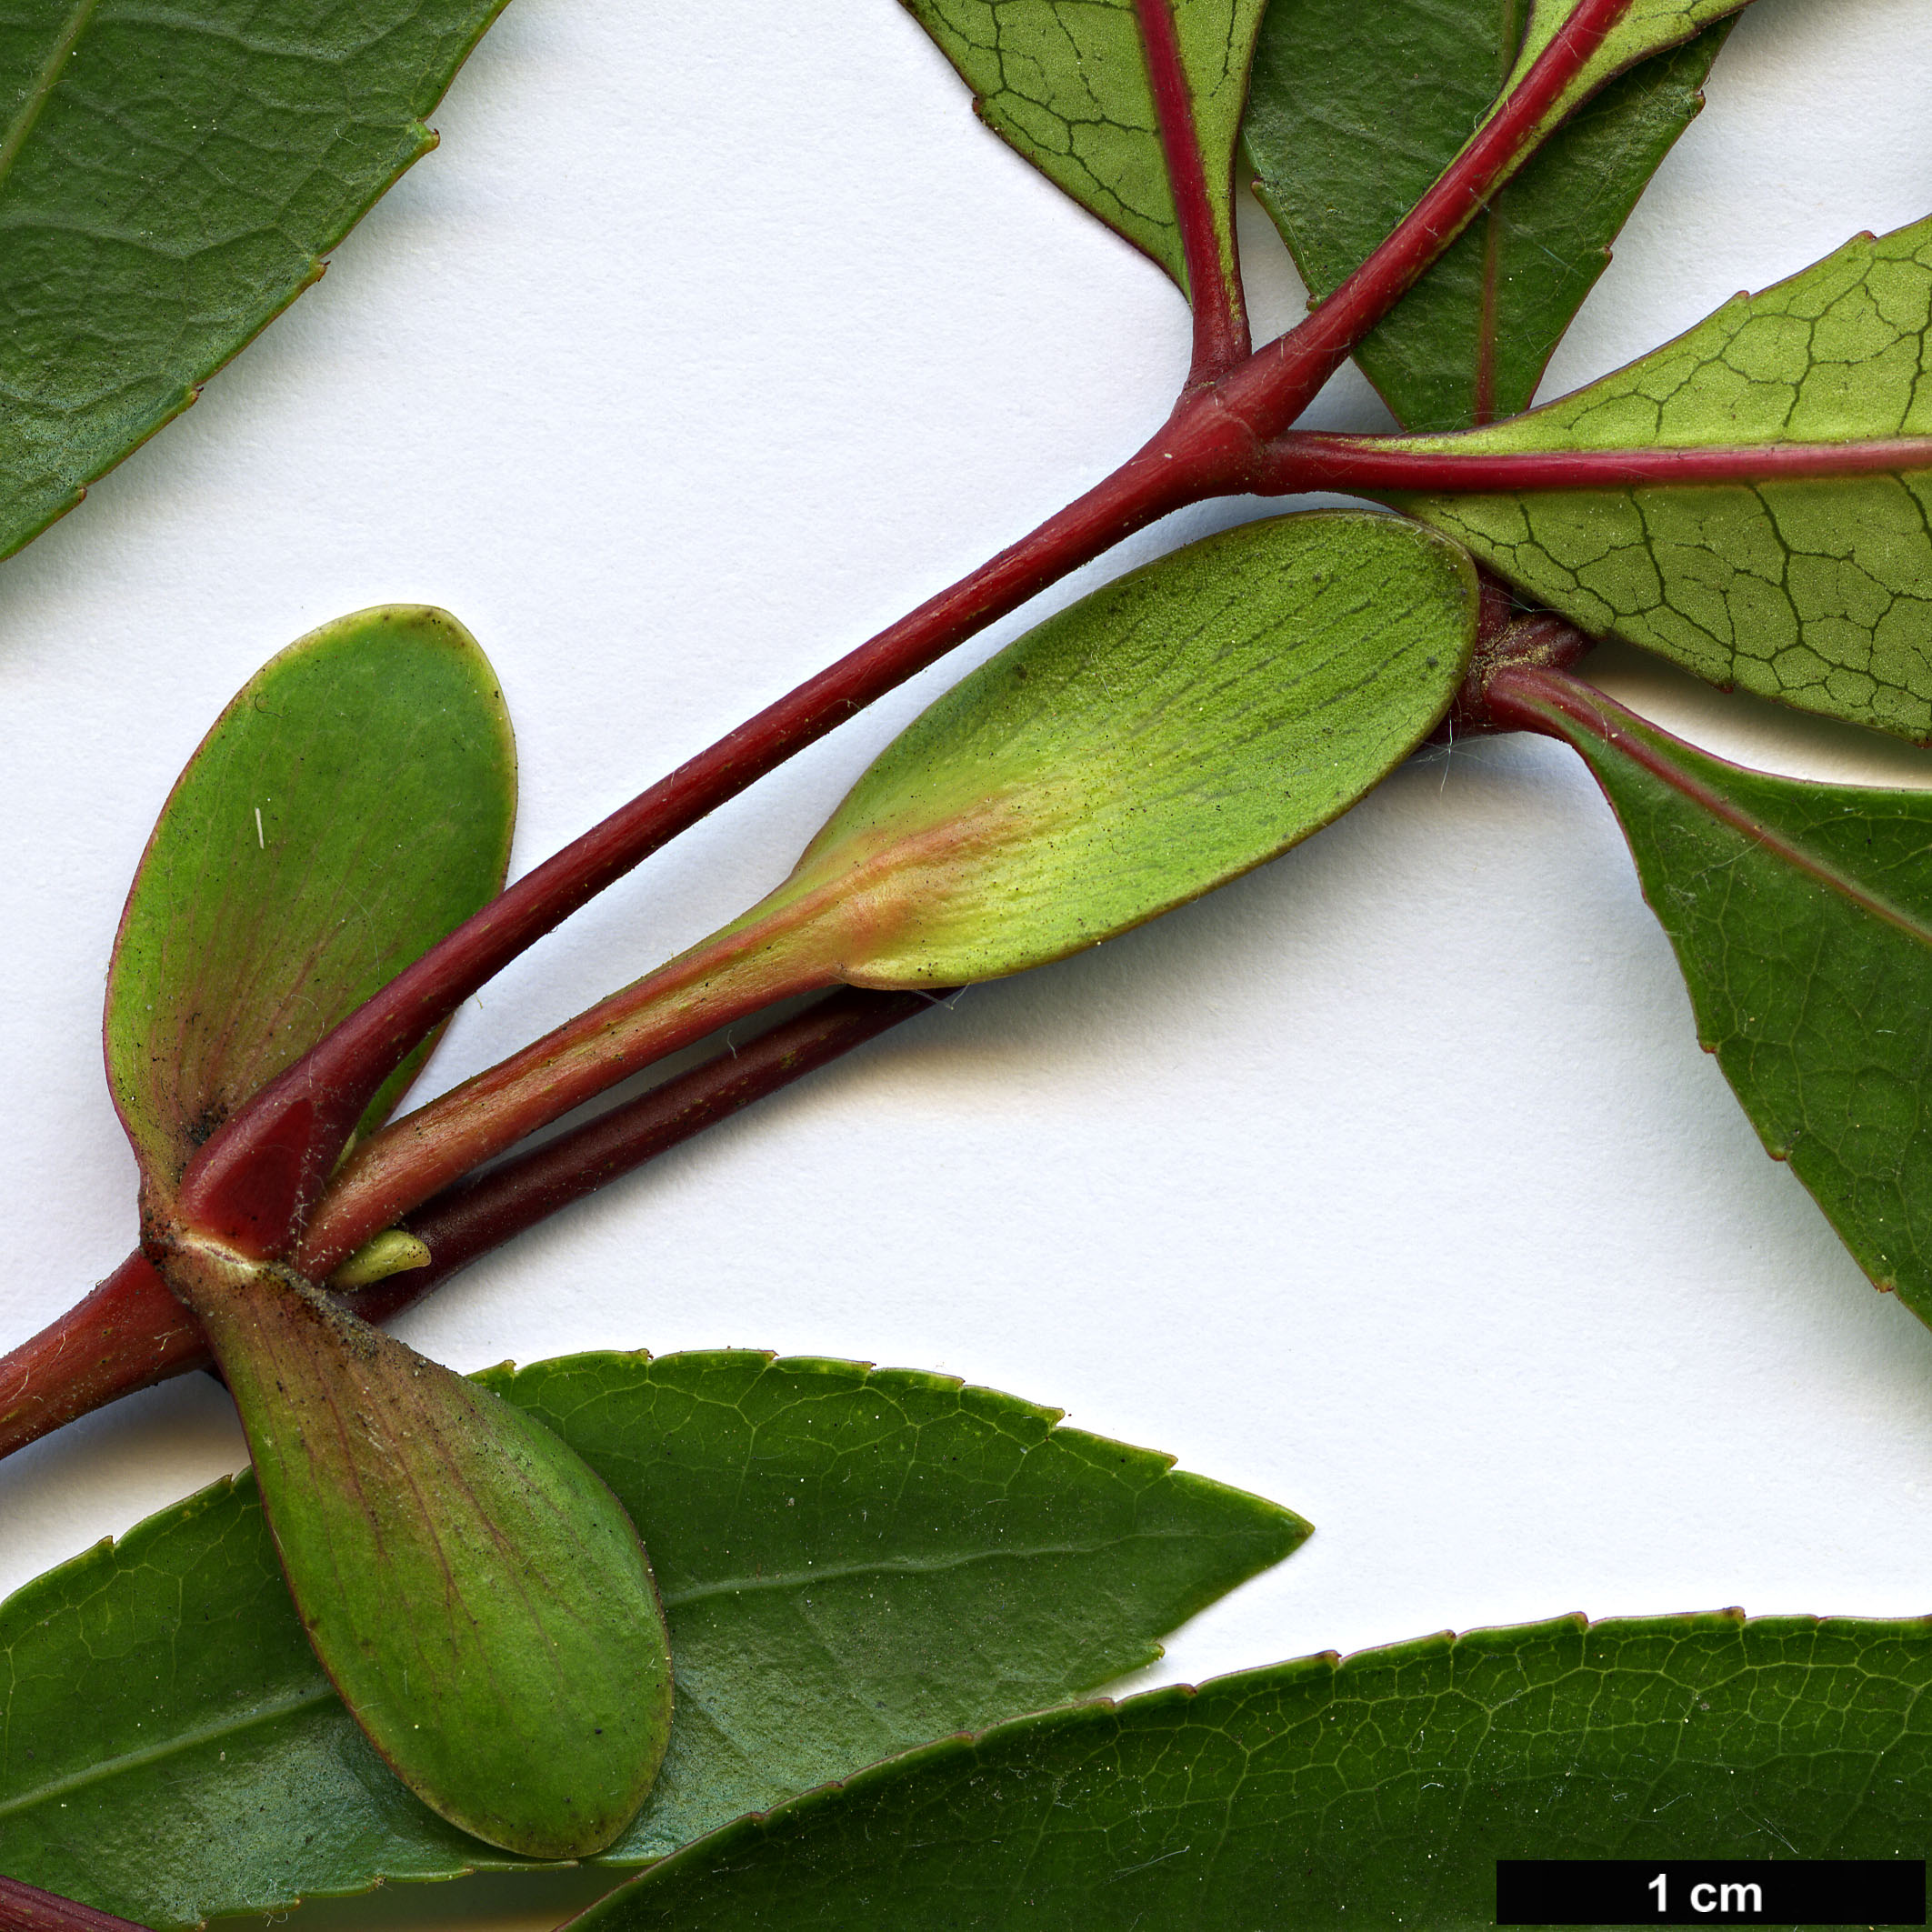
<point>254,1181</point>
<point>468,1220</point>
<point>1392,465</point>
<point>1214,286</point>
<point>131,1333</point>
<point>127,1335</point>
<point>28,1908</point>
<point>727,978</point>
<point>1277,383</point>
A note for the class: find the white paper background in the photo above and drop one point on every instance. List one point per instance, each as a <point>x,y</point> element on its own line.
<point>1389,1183</point>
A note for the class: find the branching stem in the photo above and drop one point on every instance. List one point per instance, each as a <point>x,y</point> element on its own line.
<point>257,1182</point>
<point>131,1333</point>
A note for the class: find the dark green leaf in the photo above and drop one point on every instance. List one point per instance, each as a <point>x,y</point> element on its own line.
<point>170,180</point>
<point>1354,111</point>
<point>474,1589</point>
<point>1374,1793</point>
<point>1802,918</point>
<point>1162,736</point>
<point>1816,590</point>
<point>1065,83</point>
<point>852,1561</point>
<point>351,806</point>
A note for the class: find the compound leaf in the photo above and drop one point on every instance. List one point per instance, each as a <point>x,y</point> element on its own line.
<point>1354,111</point>
<point>352,805</point>
<point>1374,1793</point>
<point>170,180</point>
<point>1065,83</point>
<point>852,1561</point>
<point>1816,589</point>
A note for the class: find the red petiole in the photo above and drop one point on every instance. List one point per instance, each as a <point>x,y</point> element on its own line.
<point>131,1333</point>
<point>1221,339</point>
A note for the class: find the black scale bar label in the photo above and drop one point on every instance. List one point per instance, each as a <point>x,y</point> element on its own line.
<point>1711,1892</point>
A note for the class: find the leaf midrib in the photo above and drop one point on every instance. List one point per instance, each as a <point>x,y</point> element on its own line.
<point>324,1692</point>
<point>28,114</point>
<point>917,1566</point>
<point>1776,841</point>
<point>178,1741</point>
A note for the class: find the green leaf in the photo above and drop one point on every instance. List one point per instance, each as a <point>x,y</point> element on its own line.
<point>1375,1792</point>
<point>1354,111</point>
<point>351,807</point>
<point>170,180</point>
<point>1802,919</point>
<point>1065,83</point>
<point>1648,27</point>
<point>1162,736</point>
<point>475,1591</point>
<point>1813,589</point>
<point>853,1561</point>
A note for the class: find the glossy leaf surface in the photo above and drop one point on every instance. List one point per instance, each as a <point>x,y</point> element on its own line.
<point>1065,83</point>
<point>169,181</point>
<point>351,806</point>
<point>474,1589</point>
<point>1802,919</point>
<point>1354,111</point>
<point>853,1561</point>
<point>1816,590</point>
<point>1375,1792</point>
<point>1162,736</point>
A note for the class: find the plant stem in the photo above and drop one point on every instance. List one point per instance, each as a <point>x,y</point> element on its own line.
<point>254,1182</point>
<point>466,1221</point>
<point>773,952</point>
<point>1279,382</point>
<point>131,1333</point>
<point>128,1334</point>
<point>28,1908</point>
<point>1221,339</point>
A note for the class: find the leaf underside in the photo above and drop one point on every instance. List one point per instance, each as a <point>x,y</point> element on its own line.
<point>169,182</point>
<point>1647,27</point>
<point>1802,919</point>
<point>352,805</point>
<point>1814,591</point>
<point>476,1593</point>
<point>1188,722</point>
<point>1373,1793</point>
<point>1354,111</point>
<point>852,1561</point>
<point>1064,82</point>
